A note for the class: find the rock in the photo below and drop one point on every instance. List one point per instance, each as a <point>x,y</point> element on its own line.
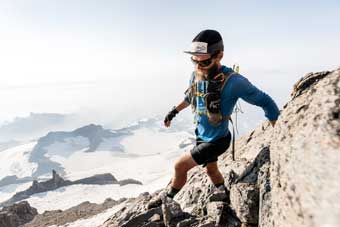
<point>219,195</point>
<point>100,179</point>
<point>143,218</point>
<point>307,81</point>
<point>17,214</point>
<point>129,181</point>
<point>187,222</point>
<point>265,196</point>
<point>304,170</point>
<point>135,213</point>
<point>154,224</point>
<point>38,187</point>
<point>154,218</point>
<point>194,195</point>
<point>57,181</point>
<point>215,211</point>
<point>156,199</point>
<point>83,210</point>
<point>221,214</point>
<point>244,200</point>
<point>210,224</point>
<point>172,212</point>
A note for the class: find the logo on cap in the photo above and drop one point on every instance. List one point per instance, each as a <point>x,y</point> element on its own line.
<point>200,47</point>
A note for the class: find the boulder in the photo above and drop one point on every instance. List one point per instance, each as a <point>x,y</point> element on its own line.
<point>17,214</point>
<point>244,199</point>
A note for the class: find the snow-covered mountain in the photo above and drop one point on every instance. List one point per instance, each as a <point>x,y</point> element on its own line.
<point>144,151</point>
<point>36,125</point>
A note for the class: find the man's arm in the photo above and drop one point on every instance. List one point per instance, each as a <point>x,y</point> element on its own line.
<point>184,104</point>
<point>251,94</point>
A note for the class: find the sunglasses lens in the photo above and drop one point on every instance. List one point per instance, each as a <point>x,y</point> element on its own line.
<point>203,63</point>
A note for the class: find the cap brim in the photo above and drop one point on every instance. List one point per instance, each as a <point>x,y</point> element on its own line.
<point>196,53</point>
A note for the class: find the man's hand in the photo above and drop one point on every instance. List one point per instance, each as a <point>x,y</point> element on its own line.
<point>170,116</point>
<point>273,123</point>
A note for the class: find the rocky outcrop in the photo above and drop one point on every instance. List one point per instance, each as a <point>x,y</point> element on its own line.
<point>38,187</point>
<point>287,175</point>
<point>83,210</point>
<point>129,181</point>
<point>57,182</point>
<point>17,214</point>
<point>305,173</point>
<point>100,179</point>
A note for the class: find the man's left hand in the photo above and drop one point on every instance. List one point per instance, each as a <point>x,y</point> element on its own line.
<point>170,116</point>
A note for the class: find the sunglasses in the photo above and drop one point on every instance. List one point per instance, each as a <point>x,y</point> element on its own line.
<point>204,63</point>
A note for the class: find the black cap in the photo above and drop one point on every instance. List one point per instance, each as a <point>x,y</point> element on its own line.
<point>206,42</point>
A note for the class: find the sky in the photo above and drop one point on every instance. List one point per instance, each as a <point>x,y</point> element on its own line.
<point>120,60</point>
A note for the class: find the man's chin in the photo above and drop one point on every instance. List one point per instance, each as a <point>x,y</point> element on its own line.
<point>200,76</point>
<point>202,72</point>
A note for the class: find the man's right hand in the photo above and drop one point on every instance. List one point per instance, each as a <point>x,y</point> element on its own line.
<point>170,116</point>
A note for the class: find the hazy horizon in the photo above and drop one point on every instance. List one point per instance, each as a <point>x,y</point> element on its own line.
<point>123,59</point>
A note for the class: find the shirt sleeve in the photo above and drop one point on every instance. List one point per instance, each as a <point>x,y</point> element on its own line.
<point>242,88</point>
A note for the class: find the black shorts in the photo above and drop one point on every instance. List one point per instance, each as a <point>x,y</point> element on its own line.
<point>205,152</point>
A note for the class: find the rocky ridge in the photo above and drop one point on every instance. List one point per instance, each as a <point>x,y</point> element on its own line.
<point>285,175</point>
<point>81,211</point>
<point>58,182</point>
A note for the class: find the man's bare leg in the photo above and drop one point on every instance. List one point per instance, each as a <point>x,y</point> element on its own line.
<point>214,173</point>
<point>218,180</point>
<point>182,166</point>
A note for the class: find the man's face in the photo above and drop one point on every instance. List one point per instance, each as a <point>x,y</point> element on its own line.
<point>204,70</point>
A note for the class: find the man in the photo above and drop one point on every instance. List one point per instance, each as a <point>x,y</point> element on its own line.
<point>213,92</point>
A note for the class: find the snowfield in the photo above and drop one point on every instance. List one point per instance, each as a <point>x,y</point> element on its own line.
<point>14,161</point>
<point>147,155</point>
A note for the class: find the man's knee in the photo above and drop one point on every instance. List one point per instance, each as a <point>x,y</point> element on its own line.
<point>184,164</point>
<point>181,166</point>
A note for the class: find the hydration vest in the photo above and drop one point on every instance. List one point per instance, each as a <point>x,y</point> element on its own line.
<point>212,101</point>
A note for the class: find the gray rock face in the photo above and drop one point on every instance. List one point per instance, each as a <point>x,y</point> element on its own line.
<point>265,195</point>
<point>245,201</point>
<point>304,172</point>
<point>287,175</point>
<point>136,211</point>
<point>17,214</point>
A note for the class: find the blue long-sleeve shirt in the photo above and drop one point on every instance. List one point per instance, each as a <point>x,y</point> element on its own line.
<point>236,87</point>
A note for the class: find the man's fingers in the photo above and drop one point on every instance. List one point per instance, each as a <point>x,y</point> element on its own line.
<point>167,123</point>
